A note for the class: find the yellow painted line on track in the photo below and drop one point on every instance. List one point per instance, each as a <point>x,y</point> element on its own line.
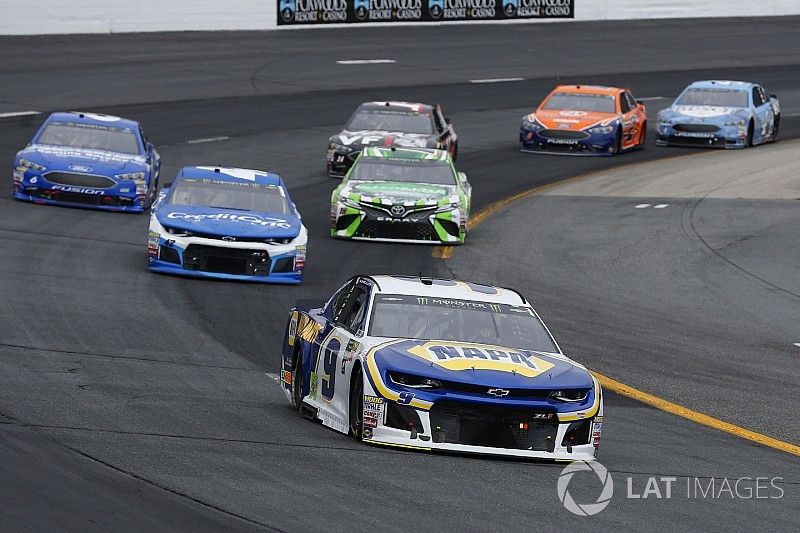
<point>695,416</point>
<point>444,252</point>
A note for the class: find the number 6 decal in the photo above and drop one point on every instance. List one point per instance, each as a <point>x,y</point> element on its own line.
<point>329,366</point>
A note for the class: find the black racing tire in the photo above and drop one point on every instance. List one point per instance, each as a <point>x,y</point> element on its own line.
<point>750,132</point>
<point>776,127</point>
<point>355,413</point>
<point>297,380</point>
<point>642,138</point>
<point>153,195</point>
<point>618,141</point>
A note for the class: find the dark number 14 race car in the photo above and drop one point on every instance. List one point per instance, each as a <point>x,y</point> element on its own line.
<point>400,124</point>
<point>437,364</point>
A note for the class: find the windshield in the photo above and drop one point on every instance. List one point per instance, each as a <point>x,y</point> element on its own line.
<point>230,195</point>
<point>409,170</point>
<point>713,97</point>
<point>595,103</point>
<point>390,120</point>
<point>415,317</point>
<point>90,137</point>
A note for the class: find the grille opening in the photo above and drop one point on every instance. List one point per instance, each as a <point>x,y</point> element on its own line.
<point>285,264</point>
<point>493,426</point>
<point>577,433</point>
<point>402,417</point>
<point>80,180</point>
<point>564,134</point>
<point>696,128</point>
<point>344,221</point>
<point>222,260</point>
<point>170,255</point>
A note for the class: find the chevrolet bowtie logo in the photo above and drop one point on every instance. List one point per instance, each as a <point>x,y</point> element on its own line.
<point>499,392</point>
<point>229,239</point>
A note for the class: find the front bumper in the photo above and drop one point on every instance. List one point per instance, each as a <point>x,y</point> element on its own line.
<point>534,141</point>
<point>477,428</point>
<point>211,258</point>
<point>732,137</point>
<point>424,226</point>
<point>34,187</point>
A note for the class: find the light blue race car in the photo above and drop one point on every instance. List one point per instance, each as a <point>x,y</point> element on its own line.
<point>227,223</point>
<point>720,114</point>
<point>88,160</point>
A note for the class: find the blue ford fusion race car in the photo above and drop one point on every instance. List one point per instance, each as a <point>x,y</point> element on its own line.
<point>721,114</point>
<point>88,160</point>
<point>228,223</point>
<point>437,364</point>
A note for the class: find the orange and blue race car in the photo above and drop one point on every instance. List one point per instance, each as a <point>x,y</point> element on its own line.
<point>585,120</point>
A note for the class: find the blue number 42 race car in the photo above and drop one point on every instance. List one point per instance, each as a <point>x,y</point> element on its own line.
<point>227,223</point>
<point>88,160</point>
<point>437,364</point>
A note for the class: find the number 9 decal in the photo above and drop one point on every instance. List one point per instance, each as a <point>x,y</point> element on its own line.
<point>329,366</point>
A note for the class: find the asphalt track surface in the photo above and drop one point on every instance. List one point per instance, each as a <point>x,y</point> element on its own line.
<point>132,401</point>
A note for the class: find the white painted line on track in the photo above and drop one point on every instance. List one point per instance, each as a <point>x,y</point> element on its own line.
<point>496,80</point>
<point>642,206</point>
<point>797,344</point>
<point>208,140</point>
<point>366,61</point>
<point>19,114</point>
<point>649,98</point>
<point>660,206</point>
<point>790,115</point>
<point>274,377</point>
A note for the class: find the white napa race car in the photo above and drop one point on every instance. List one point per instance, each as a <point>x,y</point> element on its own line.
<point>438,364</point>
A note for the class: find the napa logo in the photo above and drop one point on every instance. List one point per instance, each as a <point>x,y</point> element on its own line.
<point>436,9</point>
<point>287,10</point>
<point>470,356</point>
<point>510,8</point>
<point>361,8</point>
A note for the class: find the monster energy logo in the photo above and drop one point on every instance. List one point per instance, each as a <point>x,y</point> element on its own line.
<point>422,301</point>
<point>494,307</point>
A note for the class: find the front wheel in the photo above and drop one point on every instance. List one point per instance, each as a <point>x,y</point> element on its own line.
<point>297,381</point>
<point>750,130</point>
<point>356,410</point>
<point>776,126</point>
<point>618,142</point>
<point>642,138</point>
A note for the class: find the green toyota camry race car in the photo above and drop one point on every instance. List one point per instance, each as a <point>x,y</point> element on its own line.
<point>402,195</point>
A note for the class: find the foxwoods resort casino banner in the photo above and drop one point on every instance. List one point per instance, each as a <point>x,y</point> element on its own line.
<point>299,12</point>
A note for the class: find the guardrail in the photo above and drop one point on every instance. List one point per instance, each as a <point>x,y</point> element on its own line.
<point>119,16</point>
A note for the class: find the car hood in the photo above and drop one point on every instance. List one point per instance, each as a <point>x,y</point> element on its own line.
<point>395,192</point>
<point>228,222</point>
<point>703,112</point>
<point>481,364</point>
<point>359,139</point>
<point>571,120</point>
<point>67,159</point>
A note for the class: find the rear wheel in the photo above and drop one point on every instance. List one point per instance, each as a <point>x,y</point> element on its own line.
<point>356,410</point>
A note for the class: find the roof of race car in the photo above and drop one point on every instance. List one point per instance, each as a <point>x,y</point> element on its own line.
<point>446,288</point>
<point>721,84</point>
<point>420,154</point>
<point>588,89</point>
<point>96,119</point>
<point>231,174</point>
<point>399,106</point>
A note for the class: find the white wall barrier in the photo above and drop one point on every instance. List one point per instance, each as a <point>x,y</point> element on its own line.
<point>30,17</point>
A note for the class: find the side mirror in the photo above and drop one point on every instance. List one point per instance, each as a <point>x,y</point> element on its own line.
<point>640,102</point>
<point>447,120</point>
<point>462,178</point>
<point>774,96</point>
